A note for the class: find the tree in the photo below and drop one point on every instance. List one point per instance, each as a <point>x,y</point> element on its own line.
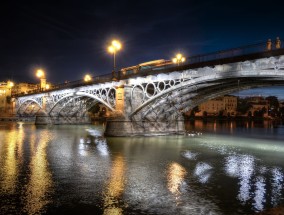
<point>274,105</point>
<point>194,111</point>
<point>243,105</point>
<point>95,109</point>
<point>273,101</point>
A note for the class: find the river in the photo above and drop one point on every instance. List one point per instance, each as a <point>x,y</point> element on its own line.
<point>219,168</point>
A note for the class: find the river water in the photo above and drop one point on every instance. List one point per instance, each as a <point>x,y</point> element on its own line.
<point>231,168</point>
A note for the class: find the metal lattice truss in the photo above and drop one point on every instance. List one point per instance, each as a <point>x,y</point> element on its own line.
<point>167,96</point>
<point>159,97</point>
<point>69,102</point>
<point>30,107</point>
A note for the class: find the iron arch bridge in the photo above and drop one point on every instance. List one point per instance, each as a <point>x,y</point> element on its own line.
<point>153,103</point>
<point>68,105</point>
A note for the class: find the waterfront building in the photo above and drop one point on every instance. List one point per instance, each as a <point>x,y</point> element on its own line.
<point>224,106</point>
<point>24,88</point>
<point>259,106</point>
<point>6,91</point>
<point>5,99</point>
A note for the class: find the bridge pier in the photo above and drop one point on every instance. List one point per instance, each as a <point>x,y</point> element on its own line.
<point>42,118</point>
<point>143,128</point>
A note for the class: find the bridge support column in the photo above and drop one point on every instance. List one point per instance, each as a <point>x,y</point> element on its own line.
<point>121,125</point>
<point>120,100</point>
<point>42,118</point>
<point>143,128</point>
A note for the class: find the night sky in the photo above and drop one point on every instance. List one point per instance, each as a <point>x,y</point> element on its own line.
<point>70,38</point>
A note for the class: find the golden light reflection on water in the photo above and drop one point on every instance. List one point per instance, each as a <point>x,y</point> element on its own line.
<point>11,159</point>
<point>175,177</point>
<point>115,188</point>
<point>40,182</point>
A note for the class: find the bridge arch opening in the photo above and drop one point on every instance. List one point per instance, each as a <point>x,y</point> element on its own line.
<point>78,104</point>
<point>29,107</point>
<point>185,96</point>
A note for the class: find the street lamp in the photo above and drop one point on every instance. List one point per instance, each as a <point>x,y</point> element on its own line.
<point>87,78</point>
<point>178,59</point>
<point>40,74</point>
<point>113,48</point>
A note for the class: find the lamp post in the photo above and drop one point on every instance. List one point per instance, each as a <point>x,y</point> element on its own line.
<point>113,48</point>
<point>178,59</point>
<point>40,74</point>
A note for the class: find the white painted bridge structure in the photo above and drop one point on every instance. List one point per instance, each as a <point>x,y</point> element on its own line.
<point>153,101</point>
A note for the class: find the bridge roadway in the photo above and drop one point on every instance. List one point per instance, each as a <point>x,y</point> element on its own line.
<point>151,102</point>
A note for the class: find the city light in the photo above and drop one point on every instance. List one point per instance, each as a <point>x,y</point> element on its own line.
<point>114,47</point>
<point>10,84</point>
<point>178,59</point>
<point>87,78</point>
<point>47,86</point>
<point>40,73</point>
<point>116,44</point>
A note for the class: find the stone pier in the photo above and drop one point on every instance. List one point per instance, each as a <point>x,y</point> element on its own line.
<point>143,128</point>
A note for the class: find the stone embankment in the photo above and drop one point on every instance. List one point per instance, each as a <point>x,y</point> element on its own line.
<point>16,119</point>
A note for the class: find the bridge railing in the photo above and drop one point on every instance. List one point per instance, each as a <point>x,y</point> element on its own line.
<point>258,48</point>
<point>81,82</point>
<point>72,84</point>
<point>244,50</point>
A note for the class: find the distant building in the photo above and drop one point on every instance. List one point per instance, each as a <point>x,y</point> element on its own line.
<point>260,106</point>
<point>24,88</point>
<point>5,99</point>
<point>7,106</point>
<point>225,105</point>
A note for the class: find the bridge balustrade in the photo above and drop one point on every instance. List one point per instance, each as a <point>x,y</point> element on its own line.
<point>226,56</point>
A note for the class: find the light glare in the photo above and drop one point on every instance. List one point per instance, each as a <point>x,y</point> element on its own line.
<point>40,73</point>
<point>87,78</point>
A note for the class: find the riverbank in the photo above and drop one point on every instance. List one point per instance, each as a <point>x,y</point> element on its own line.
<point>16,119</point>
<point>232,118</point>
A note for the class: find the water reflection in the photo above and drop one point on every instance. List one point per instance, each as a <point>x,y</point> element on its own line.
<point>189,155</point>
<point>203,172</point>
<point>256,129</point>
<point>215,173</point>
<point>114,188</point>
<point>96,136</point>
<point>253,180</point>
<point>11,159</point>
<point>259,198</point>
<point>277,186</point>
<point>175,178</point>
<point>39,187</point>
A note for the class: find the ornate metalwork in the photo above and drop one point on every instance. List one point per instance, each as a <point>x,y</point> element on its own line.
<point>58,102</point>
<point>163,96</point>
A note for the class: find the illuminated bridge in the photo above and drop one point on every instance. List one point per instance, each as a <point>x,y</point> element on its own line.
<point>151,100</point>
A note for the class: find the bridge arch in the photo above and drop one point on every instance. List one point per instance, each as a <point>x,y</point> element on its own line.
<point>26,104</point>
<point>192,92</point>
<point>79,94</point>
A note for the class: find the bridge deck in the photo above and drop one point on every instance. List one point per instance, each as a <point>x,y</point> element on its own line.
<point>250,52</point>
